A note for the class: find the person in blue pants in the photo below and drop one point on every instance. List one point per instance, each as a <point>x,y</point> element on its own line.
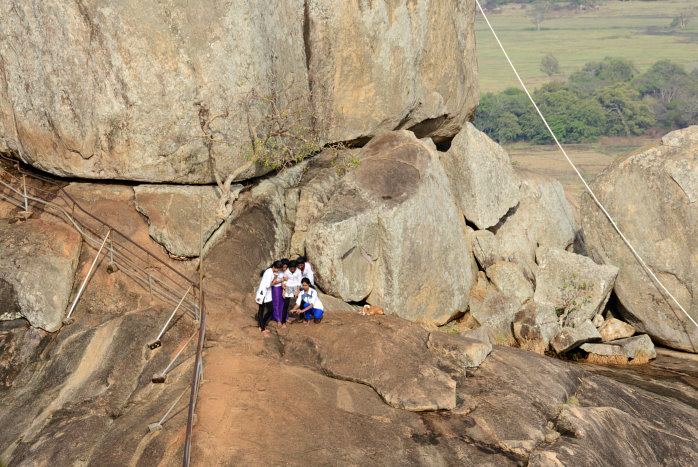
<point>312,306</point>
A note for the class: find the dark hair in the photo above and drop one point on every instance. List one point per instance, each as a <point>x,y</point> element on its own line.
<point>301,259</point>
<point>277,264</point>
<point>305,280</point>
<point>292,264</point>
<point>284,261</point>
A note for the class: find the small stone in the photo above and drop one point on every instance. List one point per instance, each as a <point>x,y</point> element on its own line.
<point>570,338</point>
<point>613,329</point>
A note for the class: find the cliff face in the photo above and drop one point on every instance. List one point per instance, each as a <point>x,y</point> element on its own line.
<point>119,90</point>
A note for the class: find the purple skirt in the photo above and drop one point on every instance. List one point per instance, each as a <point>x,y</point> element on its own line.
<point>277,301</point>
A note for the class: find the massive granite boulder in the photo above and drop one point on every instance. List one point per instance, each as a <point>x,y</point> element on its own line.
<point>392,235</point>
<point>121,90</point>
<point>652,196</point>
<point>38,261</point>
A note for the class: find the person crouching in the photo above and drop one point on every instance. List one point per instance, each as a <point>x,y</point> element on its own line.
<point>313,308</point>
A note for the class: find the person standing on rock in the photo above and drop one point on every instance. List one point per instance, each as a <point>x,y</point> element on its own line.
<point>291,288</point>
<point>310,299</point>
<point>277,292</point>
<point>264,299</point>
<point>306,269</point>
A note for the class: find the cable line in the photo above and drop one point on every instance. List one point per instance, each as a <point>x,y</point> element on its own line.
<point>586,186</point>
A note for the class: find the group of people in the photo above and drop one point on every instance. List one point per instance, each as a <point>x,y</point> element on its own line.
<point>282,282</point>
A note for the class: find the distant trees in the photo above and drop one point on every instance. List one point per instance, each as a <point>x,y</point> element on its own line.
<point>538,11</point>
<point>606,98</point>
<point>682,18</point>
<point>549,65</point>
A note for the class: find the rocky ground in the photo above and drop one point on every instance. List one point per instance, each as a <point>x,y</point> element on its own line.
<point>354,389</point>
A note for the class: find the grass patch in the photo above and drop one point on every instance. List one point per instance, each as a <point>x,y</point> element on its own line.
<point>638,31</point>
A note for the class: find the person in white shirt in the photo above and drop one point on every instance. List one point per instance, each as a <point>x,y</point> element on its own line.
<point>291,288</point>
<point>313,307</point>
<point>264,299</point>
<point>306,269</point>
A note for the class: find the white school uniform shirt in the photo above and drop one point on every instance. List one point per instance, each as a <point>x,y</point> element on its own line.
<point>308,272</point>
<point>293,283</point>
<point>265,285</point>
<point>310,297</point>
<point>278,275</point>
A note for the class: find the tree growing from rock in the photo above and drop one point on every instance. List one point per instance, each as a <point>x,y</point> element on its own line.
<point>283,129</point>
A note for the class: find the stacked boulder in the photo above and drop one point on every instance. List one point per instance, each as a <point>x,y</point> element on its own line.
<point>433,236</point>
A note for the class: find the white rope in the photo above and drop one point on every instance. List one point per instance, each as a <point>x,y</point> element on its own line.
<point>588,189</point>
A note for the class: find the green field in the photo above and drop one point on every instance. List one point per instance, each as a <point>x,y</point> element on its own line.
<point>636,30</point>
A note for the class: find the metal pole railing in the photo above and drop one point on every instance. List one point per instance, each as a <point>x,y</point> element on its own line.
<point>157,343</point>
<point>87,277</point>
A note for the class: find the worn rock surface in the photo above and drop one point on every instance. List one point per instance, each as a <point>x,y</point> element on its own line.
<point>419,384</point>
<point>469,353</point>
<point>510,280</point>
<point>573,284</point>
<point>535,326</point>
<point>392,64</point>
<point>117,90</point>
<point>176,214</point>
<point>493,310</point>
<point>606,406</point>
<point>543,217</point>
<point>376,237</point>
<point>652,197</point>
<point>38,260</point>
<point>482,178</point>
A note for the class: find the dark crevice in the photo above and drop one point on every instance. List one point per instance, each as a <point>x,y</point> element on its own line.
<point>495,228</point>
<point>306,42</point>
<point>470,224</point>
<point>428,126</point>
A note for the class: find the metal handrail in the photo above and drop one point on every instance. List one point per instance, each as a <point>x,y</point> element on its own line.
<point>196,380</point>
<point>106,224</point>
<point>82,228</point>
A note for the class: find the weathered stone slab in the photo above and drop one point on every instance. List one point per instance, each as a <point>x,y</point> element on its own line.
<point>469,353</point>
<point>376,344</point>
<point>510,280</point>
<point>535,326</point>
<point>174,214</point>
<point>543,217</point>
<point>571,337</point>
<point>38,260</point>
<point>121,90</point>
<point>493,310</point>
<point>631,347</point>
<point>482,178</point>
